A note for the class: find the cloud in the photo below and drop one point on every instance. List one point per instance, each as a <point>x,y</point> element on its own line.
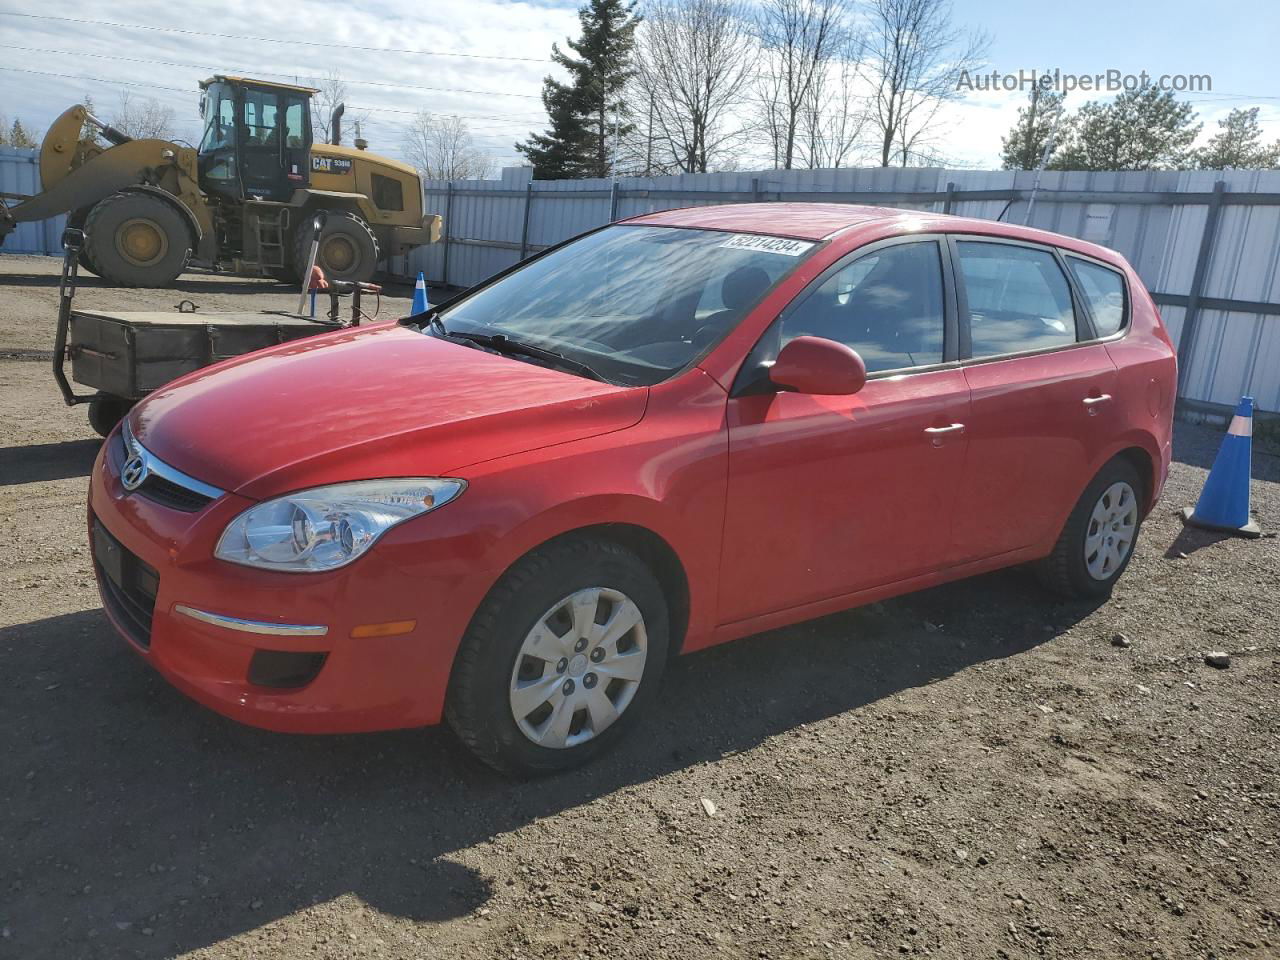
<point>502,104</point>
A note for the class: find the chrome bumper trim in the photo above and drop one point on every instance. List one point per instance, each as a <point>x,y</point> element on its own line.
<point>252,626</point>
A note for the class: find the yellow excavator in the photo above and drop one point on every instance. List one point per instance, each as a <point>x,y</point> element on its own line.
<point>243,201</point>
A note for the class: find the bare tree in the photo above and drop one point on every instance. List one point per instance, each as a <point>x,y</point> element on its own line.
<point>798,39</point>
<point>833,116</point>
<point>442,149</point>
<point>332,91</point>
<point>143,119</point>
<point>915,59</point>
<point>694,61</point>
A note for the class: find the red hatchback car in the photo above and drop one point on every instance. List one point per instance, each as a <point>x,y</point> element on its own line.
<point>510,511</point>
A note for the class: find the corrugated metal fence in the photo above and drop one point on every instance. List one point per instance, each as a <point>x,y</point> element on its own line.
<point>20,174</point>
<point>1206,243</point>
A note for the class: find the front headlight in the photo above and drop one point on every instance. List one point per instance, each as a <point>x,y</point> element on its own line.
<point>328,527</point>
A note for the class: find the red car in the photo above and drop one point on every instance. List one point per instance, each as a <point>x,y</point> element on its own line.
<point>511,511</point>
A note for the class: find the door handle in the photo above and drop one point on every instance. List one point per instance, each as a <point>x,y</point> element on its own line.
<point>1091,403</point>
<point>936,434</point>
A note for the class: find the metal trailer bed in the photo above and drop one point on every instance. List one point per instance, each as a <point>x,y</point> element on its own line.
<point>126,355</point>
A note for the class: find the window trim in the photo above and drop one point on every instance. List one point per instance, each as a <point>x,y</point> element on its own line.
<point>1085,331</point>
<point>752,378</point>
<point>1126,316</point>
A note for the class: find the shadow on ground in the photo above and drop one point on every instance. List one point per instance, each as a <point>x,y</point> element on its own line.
<point>47,461</point>
<point>128,804</point>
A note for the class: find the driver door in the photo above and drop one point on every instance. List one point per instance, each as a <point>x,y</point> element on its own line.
<point>830,495</point>
<point>273,145</point>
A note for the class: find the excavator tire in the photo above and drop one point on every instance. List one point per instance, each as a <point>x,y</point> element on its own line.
<point>348,248</point>
<point>77,220</point>
<point>137,240</point>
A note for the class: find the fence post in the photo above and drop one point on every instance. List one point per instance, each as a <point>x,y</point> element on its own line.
<point>951,197</point>
<point>613,202</point>
<point>524,228</point>
<point>1191,315</point>
<point>448,231</point>
<point>755,189</point>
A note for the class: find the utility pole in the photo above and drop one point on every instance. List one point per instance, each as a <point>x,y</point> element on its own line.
<point>1044,160</point>
<point>648,152</point>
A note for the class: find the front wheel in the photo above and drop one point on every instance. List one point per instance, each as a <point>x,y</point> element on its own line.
<point>1097,541</point>
<point>563,655</point>
<point>136,239</point>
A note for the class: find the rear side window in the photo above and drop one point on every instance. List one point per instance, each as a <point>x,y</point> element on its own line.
<point>1019,299</point>
<point>887,305</point>
<point>1104,290</point>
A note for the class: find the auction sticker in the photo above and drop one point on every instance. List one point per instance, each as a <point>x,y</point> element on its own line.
<point>783,246</point>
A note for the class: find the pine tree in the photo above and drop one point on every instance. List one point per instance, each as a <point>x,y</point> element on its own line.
<point>584,111</point>
<point>1238,144</point>
<point>1038,122</point>
<point>1143,129</point>
<point>18,136</point>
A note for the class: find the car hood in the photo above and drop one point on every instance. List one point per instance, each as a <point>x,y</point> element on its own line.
<point>376,401</point>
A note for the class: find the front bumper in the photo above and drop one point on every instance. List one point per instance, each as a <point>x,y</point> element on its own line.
<point>360,684</point>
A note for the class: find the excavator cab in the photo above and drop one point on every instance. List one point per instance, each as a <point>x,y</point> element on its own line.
<point>257,139</point>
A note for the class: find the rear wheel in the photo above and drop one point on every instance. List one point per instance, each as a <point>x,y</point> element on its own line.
<point>1097,541</point>
<point>563,655</point>
<point>136,240</point>
<point>348,249</point>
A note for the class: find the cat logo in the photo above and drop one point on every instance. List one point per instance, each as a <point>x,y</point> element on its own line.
<point>330,164</point>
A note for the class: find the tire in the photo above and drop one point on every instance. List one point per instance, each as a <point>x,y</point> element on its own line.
<point>348,248</point>
<point>106,410</point>
<point>1083,562</point>
<point>493,667</point>
<point>77,220</point>
<point>137,240</point>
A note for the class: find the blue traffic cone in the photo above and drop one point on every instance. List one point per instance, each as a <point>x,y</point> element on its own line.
<point>420,304</point>
<point>1224,501</point>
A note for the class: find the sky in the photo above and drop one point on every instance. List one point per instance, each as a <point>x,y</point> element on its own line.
<point>484,60</point>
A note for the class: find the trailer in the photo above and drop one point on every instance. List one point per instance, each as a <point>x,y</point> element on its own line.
<point>123,356</point>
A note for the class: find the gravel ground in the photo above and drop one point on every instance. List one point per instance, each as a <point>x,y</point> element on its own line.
<point>972,771</point>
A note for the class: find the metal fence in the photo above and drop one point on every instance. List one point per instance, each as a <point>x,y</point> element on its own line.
<point>20,174</point>
<point>1206,243</point>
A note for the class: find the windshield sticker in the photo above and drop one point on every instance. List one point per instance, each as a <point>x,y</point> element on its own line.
<point>783,246</point>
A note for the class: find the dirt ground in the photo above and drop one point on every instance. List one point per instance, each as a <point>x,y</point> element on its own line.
<point>973,771</point>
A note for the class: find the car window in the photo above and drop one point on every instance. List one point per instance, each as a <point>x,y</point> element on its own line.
<point>887,305</point>
<point>635,303</point>
<point>1018,299</point>
<point>1104,290</point>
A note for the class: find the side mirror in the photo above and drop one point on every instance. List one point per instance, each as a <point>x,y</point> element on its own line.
<point>819,366</point>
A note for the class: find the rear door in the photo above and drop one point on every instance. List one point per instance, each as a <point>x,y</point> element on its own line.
<point>1042,395</point>
<point>828,495</point>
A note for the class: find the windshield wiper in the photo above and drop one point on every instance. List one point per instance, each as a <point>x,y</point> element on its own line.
<point>504,344</point>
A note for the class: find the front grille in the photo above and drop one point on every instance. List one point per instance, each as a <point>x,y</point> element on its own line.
<point>129,586</point>
<point>174,496</point>
<point>163,485</point>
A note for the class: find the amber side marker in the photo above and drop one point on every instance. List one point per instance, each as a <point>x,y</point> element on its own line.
<point>392,628</point>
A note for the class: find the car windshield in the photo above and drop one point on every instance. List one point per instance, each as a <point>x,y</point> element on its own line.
<point>636,304</point>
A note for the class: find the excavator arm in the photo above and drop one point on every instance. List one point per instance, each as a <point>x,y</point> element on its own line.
<point>76,172</point>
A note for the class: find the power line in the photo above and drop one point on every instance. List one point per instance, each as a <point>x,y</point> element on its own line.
<point>273,73</point>
<point>512,120</point>
<point>291,41</point>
